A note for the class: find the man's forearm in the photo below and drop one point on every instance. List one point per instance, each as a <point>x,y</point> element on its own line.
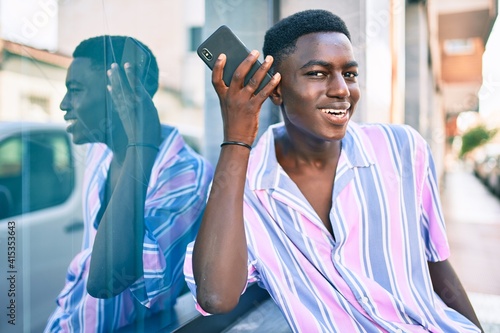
<point>220,251</point>
<point>449,288</point>
<point>117,252</point>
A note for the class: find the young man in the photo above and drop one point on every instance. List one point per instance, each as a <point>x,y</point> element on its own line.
<point>144,194</point>
<point>340,222</point>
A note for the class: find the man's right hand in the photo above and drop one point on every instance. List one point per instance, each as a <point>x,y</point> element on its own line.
<point>134,106</point>
<point>240,106</point>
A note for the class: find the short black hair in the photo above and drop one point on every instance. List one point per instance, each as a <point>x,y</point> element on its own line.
<point>106,49</point>
<point>280,40</point>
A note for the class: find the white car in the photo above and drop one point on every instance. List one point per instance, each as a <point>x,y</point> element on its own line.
<point>41,224</point>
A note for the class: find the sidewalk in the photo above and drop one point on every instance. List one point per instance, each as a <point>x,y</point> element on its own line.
<point>472,217</point>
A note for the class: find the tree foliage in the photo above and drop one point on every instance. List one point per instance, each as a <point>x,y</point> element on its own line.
<point>476,137</point>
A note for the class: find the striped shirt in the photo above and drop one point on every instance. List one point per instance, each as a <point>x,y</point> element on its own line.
<point>386,217</point>
<point>175,201</point>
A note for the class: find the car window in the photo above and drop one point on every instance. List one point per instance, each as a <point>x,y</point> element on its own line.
<point>10,157</point>
<point>36,172</point>
<point>10,175</point>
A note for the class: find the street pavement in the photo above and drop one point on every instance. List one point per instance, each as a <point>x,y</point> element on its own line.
<point>472,217</point>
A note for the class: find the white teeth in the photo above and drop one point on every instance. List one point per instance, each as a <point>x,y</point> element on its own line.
<point>71,121</point>
<point>336,113</point>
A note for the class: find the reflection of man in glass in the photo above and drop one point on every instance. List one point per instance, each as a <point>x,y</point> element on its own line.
<point>144,194</point>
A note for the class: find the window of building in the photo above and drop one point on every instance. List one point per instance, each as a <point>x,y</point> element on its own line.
<point>194,38</point>
<point>35,107</point>
<point>459,46</point>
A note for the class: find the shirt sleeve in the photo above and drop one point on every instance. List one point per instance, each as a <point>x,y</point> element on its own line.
<point>432,220</point>
<point>173,211</point>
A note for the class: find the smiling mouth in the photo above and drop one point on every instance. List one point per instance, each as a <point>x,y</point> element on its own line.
<point>70,123</point>
<point>335,112</point>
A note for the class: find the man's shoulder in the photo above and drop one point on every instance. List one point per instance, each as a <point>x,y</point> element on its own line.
<point>399,139</point>
<point>395,128</point>
<point>169,131</point>
<point>173,143</point>
<point>174,150</point>
<point>397,132</point>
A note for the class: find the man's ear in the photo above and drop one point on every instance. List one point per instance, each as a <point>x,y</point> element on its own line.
<point>276,95</point>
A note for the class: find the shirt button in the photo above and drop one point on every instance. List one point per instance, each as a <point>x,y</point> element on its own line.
<point>364,300</point>
<point>399,330</point>
<point>337,257</point>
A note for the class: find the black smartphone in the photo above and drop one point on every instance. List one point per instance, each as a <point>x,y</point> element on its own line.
<point>135,54</point>
<point>223,40</point>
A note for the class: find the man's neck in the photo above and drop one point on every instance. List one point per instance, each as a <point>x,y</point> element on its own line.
<point>304,153</point>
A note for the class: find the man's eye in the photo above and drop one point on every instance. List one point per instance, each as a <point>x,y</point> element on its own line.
<point>351,75</point>
<point>315,74</point>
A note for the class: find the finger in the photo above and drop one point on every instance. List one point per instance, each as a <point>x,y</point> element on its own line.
<point>139,99</point>
<point>217,73</point>
<point>119,90</point>
<point>117,81</point>
<point>133,78</point>
<point>238,79</point>
<point>269,88</point>
<point>259,75</point>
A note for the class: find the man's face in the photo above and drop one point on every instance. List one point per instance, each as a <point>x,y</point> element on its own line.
<point>85,102</point>
<point>319,91</point>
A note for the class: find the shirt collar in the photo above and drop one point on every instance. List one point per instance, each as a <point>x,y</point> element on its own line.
<point>263,168</point>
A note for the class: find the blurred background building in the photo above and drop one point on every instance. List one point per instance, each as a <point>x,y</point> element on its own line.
<point>420,61</point>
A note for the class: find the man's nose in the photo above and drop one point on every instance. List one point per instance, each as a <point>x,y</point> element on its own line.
<point>65,105</point>
<point>337,86</point>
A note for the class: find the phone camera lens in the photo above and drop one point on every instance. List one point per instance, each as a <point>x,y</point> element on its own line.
<point>206,53</point>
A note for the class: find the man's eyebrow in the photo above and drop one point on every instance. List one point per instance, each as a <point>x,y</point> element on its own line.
<point>311,63</point>
<point>349,64</point>
<point>72,82</point>
<point>352,63</point>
